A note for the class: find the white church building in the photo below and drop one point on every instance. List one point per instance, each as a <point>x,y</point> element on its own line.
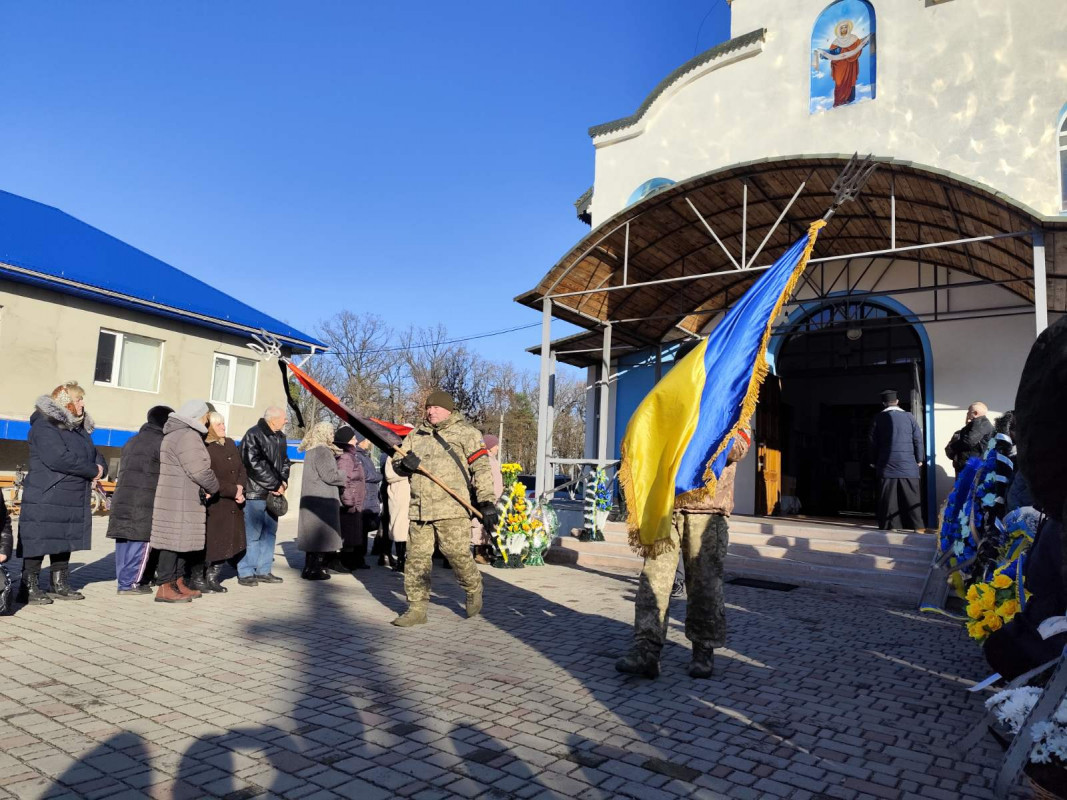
<point>934,282</point>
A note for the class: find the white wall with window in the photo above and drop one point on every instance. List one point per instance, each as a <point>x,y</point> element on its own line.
<point>128,361</point>
<point>233,382</point>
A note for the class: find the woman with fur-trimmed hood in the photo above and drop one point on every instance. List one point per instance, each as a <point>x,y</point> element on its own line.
<point>56,518</point>
<point>318,530</point>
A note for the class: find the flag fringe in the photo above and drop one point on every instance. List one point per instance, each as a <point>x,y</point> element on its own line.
<point>748,408</point>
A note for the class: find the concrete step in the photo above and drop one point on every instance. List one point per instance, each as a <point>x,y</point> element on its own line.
<point>802,552</point>
<point>905,587</point>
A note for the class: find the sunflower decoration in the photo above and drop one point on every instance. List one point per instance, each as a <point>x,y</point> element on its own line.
<point>991,605</point>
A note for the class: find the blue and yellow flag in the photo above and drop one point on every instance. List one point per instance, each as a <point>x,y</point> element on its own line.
<point>678,438</point>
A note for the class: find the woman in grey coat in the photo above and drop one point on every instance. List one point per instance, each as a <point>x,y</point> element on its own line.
<point>318,531</point>
<point>186,481</point>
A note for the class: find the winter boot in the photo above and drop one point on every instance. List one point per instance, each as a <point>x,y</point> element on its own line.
<point>211,579</point>
<point>639,661</point>
<point>338,563</point>
<point>401,556</point>
<point>415,615</point>
<point>314,569</point>
<point>474,604</point>
<point>170,593</point>
<point>703,659</point>
<point>186,590</point>
<point>30,591</point>
<point>197,580</point>
<point>60,589</point>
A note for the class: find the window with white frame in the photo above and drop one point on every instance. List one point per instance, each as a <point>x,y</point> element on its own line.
<point>233,380</point>
<point>1062,143</point>
<point>128,361</point>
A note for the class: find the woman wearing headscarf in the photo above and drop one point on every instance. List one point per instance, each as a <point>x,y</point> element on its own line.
<point>225,531</point>
<point>319,524</point>
<point>186,485</point>
<point>479,537</point>
<point>55,518</point>
<point>352,539</point>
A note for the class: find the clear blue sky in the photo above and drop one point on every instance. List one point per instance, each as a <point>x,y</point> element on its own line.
<point>418,160</point>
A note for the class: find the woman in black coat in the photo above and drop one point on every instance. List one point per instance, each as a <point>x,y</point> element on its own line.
<point>55,517</point>
<point>225,532</point>
<point>130,522</point>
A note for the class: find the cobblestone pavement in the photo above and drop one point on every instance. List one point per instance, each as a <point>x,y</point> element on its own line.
<point>304,690</point>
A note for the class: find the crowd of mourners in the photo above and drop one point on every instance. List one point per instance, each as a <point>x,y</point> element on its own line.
<point>189,500</point>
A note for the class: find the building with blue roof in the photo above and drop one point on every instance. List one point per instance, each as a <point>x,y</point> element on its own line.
<point>78,304</point>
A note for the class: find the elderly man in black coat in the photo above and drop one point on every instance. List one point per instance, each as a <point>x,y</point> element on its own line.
<point>130,522</point>
<point>971,439</point>
<point>897,454</point>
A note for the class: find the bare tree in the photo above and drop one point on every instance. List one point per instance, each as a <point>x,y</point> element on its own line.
<point>362,351</point>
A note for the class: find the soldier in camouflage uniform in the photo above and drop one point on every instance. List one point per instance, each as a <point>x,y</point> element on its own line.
<point>699,534</point>
<point>447,446</point>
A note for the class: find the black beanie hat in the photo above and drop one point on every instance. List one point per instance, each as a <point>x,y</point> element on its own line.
<point>344,435</point>
<point>1040,425</point>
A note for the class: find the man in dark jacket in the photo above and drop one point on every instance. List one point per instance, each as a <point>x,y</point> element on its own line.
<point>265,453</point>
<point>971,439</point>
<point>130,521</point>
<point>896,455</point>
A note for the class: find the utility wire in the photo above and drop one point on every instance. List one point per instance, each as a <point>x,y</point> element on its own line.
<point>457,340</point>
<point>696,44</point>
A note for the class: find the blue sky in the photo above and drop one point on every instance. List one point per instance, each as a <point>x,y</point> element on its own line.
<point>416,160</point>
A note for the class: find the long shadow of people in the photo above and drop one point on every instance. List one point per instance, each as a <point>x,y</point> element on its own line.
<point>111,767</point>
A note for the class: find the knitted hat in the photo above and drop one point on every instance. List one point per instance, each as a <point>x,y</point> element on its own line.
<point>490,441</point>
<point>889,396</point>
<point>1040,426</point>
<point>193,409</point>
<point>344,435</point>
<point>441,400</point>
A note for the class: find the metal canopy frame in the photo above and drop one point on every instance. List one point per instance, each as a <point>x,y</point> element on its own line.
<point>744,265</point>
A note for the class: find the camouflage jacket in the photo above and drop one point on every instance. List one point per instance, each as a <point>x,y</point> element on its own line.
<point>722,502</point>
<point>465,457</point>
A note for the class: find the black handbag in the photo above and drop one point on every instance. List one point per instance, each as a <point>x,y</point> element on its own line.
<point>277,505</point>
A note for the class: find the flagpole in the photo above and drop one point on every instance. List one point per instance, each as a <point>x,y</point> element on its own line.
<point>267,346</point>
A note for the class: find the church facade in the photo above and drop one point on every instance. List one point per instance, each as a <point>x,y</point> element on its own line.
<point>934,282</point>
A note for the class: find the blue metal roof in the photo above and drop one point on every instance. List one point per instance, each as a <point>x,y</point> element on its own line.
<point>44,246</point>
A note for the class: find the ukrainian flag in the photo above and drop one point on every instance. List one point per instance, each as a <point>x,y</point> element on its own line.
<point>678,438</point>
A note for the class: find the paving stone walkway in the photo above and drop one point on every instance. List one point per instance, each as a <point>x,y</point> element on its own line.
<point>304,690</point>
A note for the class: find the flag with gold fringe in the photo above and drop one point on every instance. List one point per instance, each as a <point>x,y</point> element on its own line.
<point>678,438</point>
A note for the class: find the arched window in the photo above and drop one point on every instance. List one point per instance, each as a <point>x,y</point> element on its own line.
<point>843,58</point>
<point>647,188</point>
<point>1062,142</point>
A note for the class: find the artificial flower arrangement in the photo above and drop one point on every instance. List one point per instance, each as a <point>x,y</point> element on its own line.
<point>521,536</point>
<point>601,502</point>
<point>1047,765</point>
<point>510,472</point>
<point>991,604</point>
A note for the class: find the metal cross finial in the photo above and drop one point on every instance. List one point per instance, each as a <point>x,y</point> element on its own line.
<point>851,181</point>
<point>266,346</point>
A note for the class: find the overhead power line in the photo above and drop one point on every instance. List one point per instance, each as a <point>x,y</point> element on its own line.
<point>456,340</point>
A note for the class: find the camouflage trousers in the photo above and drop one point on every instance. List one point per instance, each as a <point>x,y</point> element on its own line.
<point>454,536</point>
<point>701,541</point>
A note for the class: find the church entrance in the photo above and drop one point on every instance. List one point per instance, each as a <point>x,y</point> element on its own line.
<point>812,431</point>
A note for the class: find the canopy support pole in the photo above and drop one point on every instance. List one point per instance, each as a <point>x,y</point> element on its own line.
<point>1040,283</point>
<point>605,393</point>
<point>543,394</point>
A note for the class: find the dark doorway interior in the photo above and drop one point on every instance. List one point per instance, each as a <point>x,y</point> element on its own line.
<point>833,364</point>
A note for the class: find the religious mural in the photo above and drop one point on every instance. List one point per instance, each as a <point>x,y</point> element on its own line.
<point>843,55</point>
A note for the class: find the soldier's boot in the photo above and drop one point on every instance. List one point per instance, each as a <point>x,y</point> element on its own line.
<point>702,663</point>
<point>639,661</point>
<point>474,603</point>
<point>415,615</point>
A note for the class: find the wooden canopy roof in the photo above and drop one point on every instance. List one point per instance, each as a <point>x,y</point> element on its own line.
<point>668,240</point>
